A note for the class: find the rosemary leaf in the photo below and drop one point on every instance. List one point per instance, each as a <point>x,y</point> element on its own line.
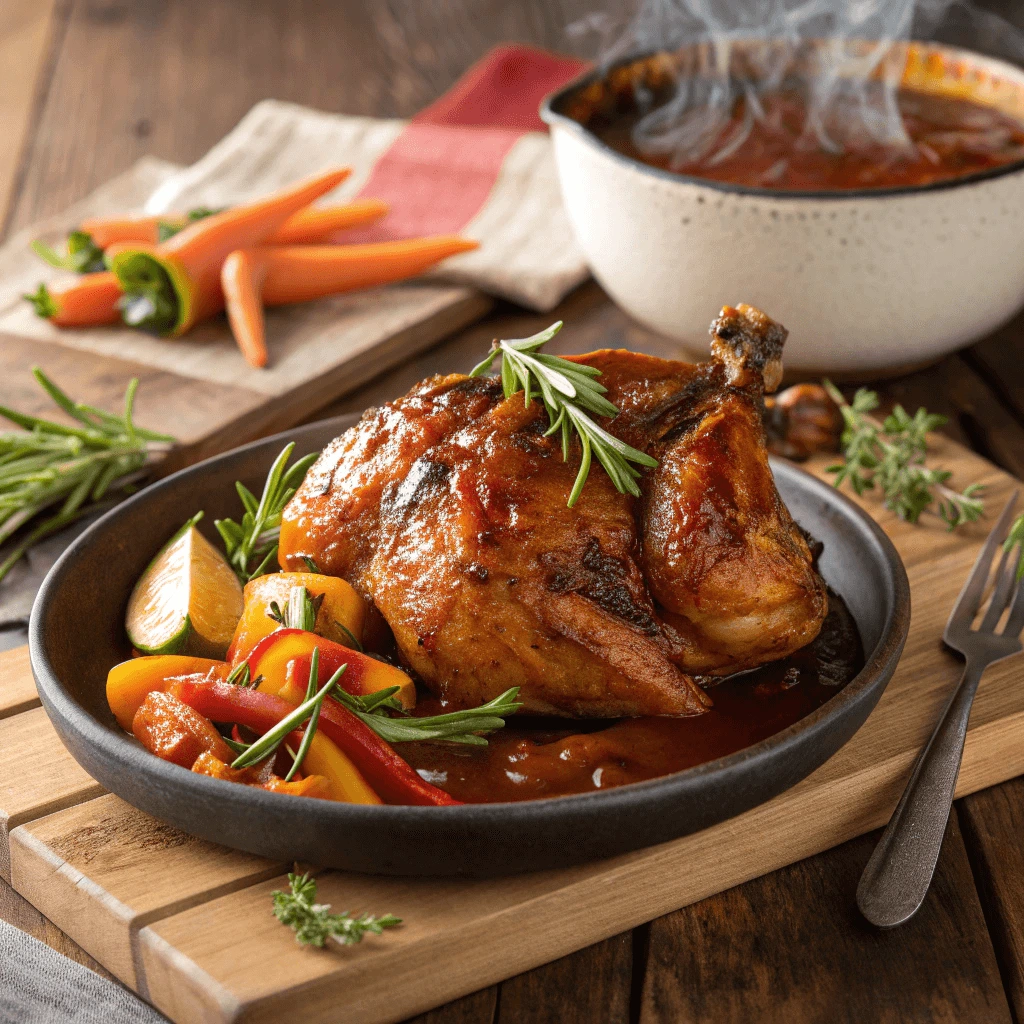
<point>569,392</point>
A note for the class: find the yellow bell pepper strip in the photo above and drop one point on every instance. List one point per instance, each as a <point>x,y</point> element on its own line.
<point>284,657</point>
<point>88,302</point>
<point>340,618</point>
<point>129,683</point>
<point>176,284</point>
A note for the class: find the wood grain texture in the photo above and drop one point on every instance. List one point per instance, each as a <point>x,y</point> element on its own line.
<point>17,911</point>
<point>592,984</point>
<point>791,948</point>
<point>476,1008</point>
<point>17,688</point>
<point>26,29</point>
<point>37,776</point>
<point>106,854</point>
<point>993,822</point>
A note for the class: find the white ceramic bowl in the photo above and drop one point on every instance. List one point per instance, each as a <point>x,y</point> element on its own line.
<point>868,282</point>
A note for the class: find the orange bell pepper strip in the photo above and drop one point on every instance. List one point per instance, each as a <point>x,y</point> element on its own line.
<point>341,617</point>
<point>313,224</point>
<point>88,302</point>
<point>176,284</point>
<point>391,777</point>
<point>282,275</point>
<point>284,655</point>
<point>129,683</point>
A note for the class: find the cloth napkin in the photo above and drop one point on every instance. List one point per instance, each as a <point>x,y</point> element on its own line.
<point>38,985</point>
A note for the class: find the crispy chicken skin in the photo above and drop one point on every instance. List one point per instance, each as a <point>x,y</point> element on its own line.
<point>447,508</point>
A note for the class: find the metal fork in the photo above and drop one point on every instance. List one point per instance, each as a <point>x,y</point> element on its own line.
<point>897,876</point>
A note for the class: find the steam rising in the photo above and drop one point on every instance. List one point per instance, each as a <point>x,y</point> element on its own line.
<point>844,58</point>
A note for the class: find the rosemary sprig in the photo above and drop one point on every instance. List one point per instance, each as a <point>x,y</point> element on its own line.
<point>455,727</point>
<point>314,719</point>
<point>81,468</point>
<point>268,743</point>
<point>300,610</point>
<point>313,923</point>
<point>890,455</point>
<point>251,545</point>
<point>568,391</point>
<point>241,676</point>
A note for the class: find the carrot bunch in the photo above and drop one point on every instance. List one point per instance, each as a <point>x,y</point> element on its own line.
<point>165,274</point>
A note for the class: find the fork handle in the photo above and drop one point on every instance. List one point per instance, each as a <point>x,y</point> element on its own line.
<point>897,876</point>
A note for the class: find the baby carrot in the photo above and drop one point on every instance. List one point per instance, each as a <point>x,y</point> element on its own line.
<point>313,224</point>
<point>90,301</point>
<point>280,275</point>
<point>172,287</point>
<point>107,230</point>
<point>242,278</point>
<point>299,273</point>
<point>319,223</point>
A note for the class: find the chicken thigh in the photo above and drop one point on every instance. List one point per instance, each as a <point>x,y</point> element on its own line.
<point>447,509</point>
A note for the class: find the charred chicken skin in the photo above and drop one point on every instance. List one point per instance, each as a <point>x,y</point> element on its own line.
<point>447,509</point>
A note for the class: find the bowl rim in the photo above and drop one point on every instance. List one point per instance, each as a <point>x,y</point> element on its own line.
<point>554,117</point>
<point>122,748</point>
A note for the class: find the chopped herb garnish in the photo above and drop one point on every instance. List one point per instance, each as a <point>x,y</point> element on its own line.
<point>313,923</point>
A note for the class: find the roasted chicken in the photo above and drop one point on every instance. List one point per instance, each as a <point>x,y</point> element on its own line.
<point>447,509</point>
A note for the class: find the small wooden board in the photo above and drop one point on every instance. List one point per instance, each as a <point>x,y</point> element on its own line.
<point>189,926</point>
<point>198,388</point>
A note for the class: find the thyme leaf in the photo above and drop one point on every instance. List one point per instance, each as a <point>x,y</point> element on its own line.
<point>890,455</point>
<point>313,923</point>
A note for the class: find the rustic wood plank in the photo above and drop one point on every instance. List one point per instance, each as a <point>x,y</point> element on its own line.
<point>792,948</point>
<point>476,1008</point>
<point>37,776</point>
<point>17,911</point>
<point>17,688</point>
<point>992,822</point>
<point>26,36</point>
<point>593,984</point>
<point>101,870</point>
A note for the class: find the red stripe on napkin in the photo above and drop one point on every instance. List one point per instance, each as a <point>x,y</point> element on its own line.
<point>439,172</point>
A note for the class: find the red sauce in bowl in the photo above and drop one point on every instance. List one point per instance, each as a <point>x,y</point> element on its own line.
<point>949,138</point>
<point>534,758</point>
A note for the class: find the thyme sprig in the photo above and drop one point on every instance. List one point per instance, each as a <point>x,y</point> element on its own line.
<point>313,923</point>
<point>890,455</point>
<point>251,545</point>
<point>568,391</point>
<point>79,468</point>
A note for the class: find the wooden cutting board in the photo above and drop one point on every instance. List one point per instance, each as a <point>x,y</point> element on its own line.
<point>189,926</point>
<point>198,388</point>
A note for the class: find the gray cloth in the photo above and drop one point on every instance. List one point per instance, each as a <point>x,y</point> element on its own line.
<point>40,986</point>
<point>19,586</point>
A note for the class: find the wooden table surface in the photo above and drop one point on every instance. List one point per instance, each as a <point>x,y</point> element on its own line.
<point>89,86</point>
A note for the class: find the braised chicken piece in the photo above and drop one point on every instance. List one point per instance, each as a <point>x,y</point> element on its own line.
<point>447,509</point>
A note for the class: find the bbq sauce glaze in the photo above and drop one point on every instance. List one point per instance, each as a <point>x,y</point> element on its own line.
<point>949,138</point>
<point>534,758</point>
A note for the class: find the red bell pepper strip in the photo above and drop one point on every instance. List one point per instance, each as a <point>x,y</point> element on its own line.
<point>392,778</point>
